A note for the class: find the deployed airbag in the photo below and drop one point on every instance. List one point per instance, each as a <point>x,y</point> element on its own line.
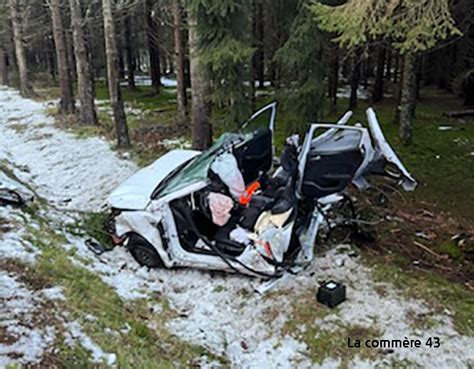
<point>226,168</point>
<point>220,206</point>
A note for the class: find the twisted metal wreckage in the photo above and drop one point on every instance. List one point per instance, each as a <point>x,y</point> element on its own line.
<point>225,209</point>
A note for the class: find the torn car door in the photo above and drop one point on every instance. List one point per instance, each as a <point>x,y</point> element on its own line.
<point>343,154</point>
<point>255,153</point>
<point>328,163</point>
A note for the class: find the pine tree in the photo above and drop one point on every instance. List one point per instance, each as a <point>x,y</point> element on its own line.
<point>411,27</point>
<point>116,99</point>
<point>66,103</point>
<point>179,53</point>
<point>85,82</point>
<point>300,59</point>
<point>4,56</point>
<point>225,54</point>
<point>20,50</point>
<point>201,125</point>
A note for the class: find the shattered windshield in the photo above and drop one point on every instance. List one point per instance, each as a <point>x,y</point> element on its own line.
<point>197,169</point>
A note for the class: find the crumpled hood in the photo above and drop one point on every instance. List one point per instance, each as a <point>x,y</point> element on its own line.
<point>135,192</point>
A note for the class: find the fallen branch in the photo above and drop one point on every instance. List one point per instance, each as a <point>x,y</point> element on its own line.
<point>427,249</point>
<point>459,113</point>
<point>469,285</point>
<point>442,267</point>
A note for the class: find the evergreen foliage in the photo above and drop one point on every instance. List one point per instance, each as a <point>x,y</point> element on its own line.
<point>411,25</point>
<point>301,61</point>
<point>225,51</point>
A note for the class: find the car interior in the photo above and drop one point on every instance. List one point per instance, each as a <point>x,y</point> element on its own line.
<point>192,213</point>
<point>331,163</point>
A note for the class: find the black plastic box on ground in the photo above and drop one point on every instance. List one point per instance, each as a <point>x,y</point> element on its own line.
<point>331,294</point>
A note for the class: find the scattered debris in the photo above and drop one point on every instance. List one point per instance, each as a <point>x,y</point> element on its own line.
<point>424,236</point>
<point>13,192</point>
<point>331,294</point>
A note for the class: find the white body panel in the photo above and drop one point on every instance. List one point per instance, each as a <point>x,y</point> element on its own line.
<point>135,192</point>
<point>145,223</point>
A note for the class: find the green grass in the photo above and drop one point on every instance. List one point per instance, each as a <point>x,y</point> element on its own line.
<point>91,224</point>
<point>86,293</point>
<point>452,250</point>
<point>431,287</point>
<point>322,343</point>
<point>144,97</point>
<point>441,161</point>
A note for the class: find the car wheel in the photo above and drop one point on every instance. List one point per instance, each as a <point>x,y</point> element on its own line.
<point>143,252</point>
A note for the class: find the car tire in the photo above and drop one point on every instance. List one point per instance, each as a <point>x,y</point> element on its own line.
<point>143,252</point>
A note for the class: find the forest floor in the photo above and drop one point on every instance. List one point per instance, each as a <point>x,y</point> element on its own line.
<point>78,309</point>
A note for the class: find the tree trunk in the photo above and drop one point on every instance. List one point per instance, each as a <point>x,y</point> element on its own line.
<point>201,130</point>
<point>388,71</point>
<point>333,78</point>
<point>377,93</point>
<point>121,63</point>
<point>4,80</point>
<point>129,54</point>
<point>70,54</point>
<point>396,68</point>
<point>171,64</point>
<point>85,82</point>
<point>25,87</point>
<point>354,82</point>
<point>187,68</point>
<point>258,37</point>
<point>66,102</point>
<point>179,57</point>
<point>163,64</point>
<point>113,75</point>
<point>51,61</point>
<point>153,47</point>
<point>467,88</point>
<point>398,90</point>
<point>366,68</point>
<point>407,98</point>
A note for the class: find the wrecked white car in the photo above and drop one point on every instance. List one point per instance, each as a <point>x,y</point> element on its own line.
<point>12,192</point>
<point>225,209</point>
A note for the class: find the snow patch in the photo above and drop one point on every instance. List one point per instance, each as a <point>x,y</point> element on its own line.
<point>75,334</point>
<point>71,173</point>
<point>12,242</point>
<point>21,341</point>
<point>54,293</point>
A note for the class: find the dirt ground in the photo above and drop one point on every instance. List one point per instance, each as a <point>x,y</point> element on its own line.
<point>419,234</point>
